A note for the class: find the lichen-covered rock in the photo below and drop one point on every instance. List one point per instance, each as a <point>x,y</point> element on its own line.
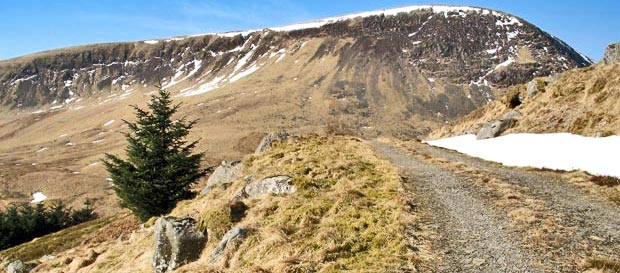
<point>271,185</point>
<point>177,242</point>
<point>268,139</point>
<point>233,236</point>
<point>532,88</point>
<point>18,267</point>
<point>223,175</point>
<point>494,128</point>
<point>612,54</point>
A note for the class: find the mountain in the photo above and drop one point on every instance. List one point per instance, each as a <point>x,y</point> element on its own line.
<point>396,72</point>
<point>428,57</point>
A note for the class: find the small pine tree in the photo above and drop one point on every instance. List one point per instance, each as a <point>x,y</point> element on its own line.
<point>160,168</point>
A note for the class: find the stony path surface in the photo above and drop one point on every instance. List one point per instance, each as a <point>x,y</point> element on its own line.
<point>475,235</point>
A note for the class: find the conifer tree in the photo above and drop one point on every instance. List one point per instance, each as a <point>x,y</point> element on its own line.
<point>160,168</point>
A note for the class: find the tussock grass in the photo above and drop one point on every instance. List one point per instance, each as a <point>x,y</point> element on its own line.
<point>215,221</point>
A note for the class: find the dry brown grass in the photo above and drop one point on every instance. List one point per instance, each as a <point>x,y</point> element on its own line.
<point>579,101</point>
<point>603,265</point>
<point>605,181</point>
<point>348,214</point>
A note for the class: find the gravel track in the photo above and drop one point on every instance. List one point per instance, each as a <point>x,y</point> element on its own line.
<point>475,236</point>
<point>472,235</point>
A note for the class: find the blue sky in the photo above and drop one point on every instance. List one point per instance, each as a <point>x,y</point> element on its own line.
<point>28,26</point>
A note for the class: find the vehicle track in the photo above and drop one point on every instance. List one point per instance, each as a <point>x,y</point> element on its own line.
<point>475,235</point>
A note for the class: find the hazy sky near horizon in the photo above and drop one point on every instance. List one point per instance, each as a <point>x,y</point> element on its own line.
<point>28,26</point>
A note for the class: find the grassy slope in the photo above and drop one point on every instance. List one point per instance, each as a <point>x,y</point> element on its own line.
<point>581,101</point>
<point>348,214</point>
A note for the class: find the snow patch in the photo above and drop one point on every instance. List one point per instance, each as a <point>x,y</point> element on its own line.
<point>491,51</point>
<point>559,151</point>
<point>180,70</point>
<point>508,21</point>
<point>505,63</point>
<point>212,85</point>
<point>38,197</point>
<point>108,123</point>
<point>151,42</point>
<point>244,73</point>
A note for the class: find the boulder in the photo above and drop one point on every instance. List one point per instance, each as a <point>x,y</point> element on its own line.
<point>512,114</point>
<point>232,237</point>
<point>612,54</point>
<point>18,267</point>
<point>177,242</point>
<point>532,88</point>
<point>271,185</point>
<point>223,175</point>
<point>494,128</point>
<point>265,143</point>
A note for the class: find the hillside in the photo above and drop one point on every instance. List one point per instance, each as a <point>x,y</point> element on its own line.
<point>582,101</point>
<point>397,72</point>
<point>358,220</point>
<point>348,205</point>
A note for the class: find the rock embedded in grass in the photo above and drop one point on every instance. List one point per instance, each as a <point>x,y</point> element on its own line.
<point>271,185</point>
<point>18,267</point>
<point>177,242</point>
<point>268,139</point>
<point>233,236</point>
<point>223,175</point>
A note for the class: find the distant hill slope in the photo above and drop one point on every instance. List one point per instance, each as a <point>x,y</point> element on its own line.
<point>426,61</point>
<point>582,101</point>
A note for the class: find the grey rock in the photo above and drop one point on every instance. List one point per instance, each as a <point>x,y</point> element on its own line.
<point>18,267</point>
<point>494,128</point>
<point>532,88</point>
<point>271,185</point>
<point>612,54</point>
<point>177,242</point>
<point>512,114</point>
<point>265,143</point>
<point>239,195</point>
<point>232,237</point>
<point>223,175</point>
